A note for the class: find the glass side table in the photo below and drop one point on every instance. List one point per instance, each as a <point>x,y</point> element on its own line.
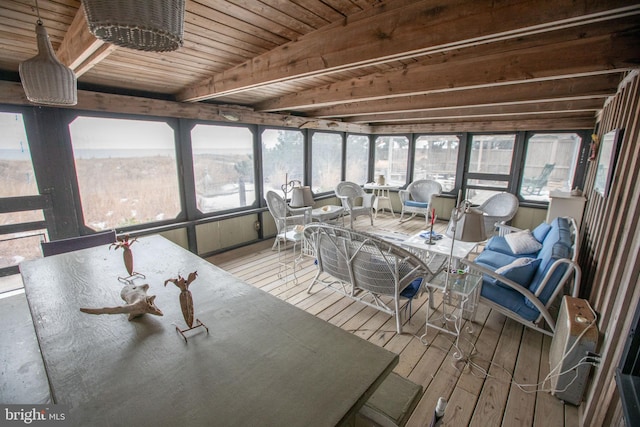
<point>285,263</point>
<point>459,302</point>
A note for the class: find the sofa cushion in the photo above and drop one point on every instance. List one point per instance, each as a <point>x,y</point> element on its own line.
<point>413,288</point>
<point>522,242</point>
<point>564,232</point>
<point>520,271</point>
<point>499,244</point>
<point>510,299</point>
<point>541,231</point>
<point>557,245</point>
<point>415,204</point>
<point>493,259</point>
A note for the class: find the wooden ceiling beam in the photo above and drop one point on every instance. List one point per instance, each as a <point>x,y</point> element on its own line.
<point>12,93</point>
<point>80,50</point>
<point>473,112</point>
<point>539,91</point>
<point>510,125</point>
<point>385,34</point>
<point>583,57</point>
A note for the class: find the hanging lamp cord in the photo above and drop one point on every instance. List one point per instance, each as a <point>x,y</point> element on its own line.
<point>39,21</point>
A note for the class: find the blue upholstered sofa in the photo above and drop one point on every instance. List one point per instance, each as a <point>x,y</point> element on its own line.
<point>523,272</point>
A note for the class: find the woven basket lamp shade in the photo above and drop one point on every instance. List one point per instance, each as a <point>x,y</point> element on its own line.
<point>45,79</point>
<point>149,25</point>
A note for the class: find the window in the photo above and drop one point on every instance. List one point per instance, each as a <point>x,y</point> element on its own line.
<point>391,157</point>
<point>18,179</point>
<point>282,158</point>
<point>489,166</point>
<point>436,158</point>
<point>326,164</point>
<point>16,170</point>
<point>550,164</point>
<point>223,167</point>
<point>357,163</point>
<point>126,170</point>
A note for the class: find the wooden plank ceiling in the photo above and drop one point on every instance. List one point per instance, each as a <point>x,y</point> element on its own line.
<point>395,65</point>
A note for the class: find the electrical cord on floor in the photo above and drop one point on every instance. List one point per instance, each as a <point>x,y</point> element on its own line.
<point>471,367</point>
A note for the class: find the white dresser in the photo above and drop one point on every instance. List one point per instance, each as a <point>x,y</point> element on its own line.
<point>564,204</point>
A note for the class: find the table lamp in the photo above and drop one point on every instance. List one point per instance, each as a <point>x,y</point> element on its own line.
<point>301,196</point>
<point>467,225</point>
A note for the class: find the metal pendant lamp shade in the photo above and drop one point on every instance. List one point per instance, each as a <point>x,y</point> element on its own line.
<point>44,78</point>
<point>149,25</point>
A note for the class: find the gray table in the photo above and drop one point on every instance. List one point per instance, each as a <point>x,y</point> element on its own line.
<point>264,362</point>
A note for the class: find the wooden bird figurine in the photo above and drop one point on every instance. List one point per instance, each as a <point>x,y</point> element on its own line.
<point>127,256</point>
<point>138,303</point>
<point>186,300</point>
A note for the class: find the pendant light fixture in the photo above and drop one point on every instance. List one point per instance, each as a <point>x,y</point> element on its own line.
<point>148,25</point>
<point>44,78</point>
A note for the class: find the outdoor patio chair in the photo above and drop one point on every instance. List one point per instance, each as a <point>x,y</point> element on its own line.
<point>498,208</point>
<point>416,199</point>
<point>355,200</point>
<point>285,217</point>
<point>535,184</point>
<point>366,268</point>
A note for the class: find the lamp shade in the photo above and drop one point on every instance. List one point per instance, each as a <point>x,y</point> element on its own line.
<point>301,196</point>
<point>469,226</point>
<point>149,25</point>
<point>44,78</point>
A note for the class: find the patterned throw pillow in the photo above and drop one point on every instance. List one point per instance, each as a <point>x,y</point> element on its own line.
<point>522,242</point>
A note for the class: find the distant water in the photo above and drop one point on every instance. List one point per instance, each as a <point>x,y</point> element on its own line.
<point>14,154</point>
<point>129,152</point>
<point>95,154</point>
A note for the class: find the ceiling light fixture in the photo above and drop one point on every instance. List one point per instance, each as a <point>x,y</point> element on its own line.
<point>231,116</point>
<point>148,25</point>
<point>44,78</point>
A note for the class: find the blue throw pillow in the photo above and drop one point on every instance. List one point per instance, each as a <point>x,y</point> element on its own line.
<point>520,271</point>
<point>413,288</point>
<point>541,231</point>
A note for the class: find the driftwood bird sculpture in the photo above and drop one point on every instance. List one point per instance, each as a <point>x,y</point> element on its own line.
<point>186,300</point>
<point>138,303</point>
<point>125,243</point>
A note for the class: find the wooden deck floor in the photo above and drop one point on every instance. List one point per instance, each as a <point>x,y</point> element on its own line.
<point>481,391</point>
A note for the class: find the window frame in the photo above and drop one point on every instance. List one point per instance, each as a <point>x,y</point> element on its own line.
<point>306,153</point>
<point>408,165</point>
<point>579,175</point>
<point>462,141</point>
<point>41,201</point>
<point>508,178</point>
<point>308,180</point>
<point>189,175</point>
<point>173,123</point>
<point>369,169</point>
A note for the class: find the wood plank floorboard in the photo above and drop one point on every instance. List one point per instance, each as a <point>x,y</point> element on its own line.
<point>480,388</point>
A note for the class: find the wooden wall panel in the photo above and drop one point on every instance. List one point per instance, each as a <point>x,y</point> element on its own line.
<point>609,255</point>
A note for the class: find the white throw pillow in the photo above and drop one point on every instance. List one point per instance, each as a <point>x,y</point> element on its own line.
<point>522,242</point>
<point>516,263</point>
